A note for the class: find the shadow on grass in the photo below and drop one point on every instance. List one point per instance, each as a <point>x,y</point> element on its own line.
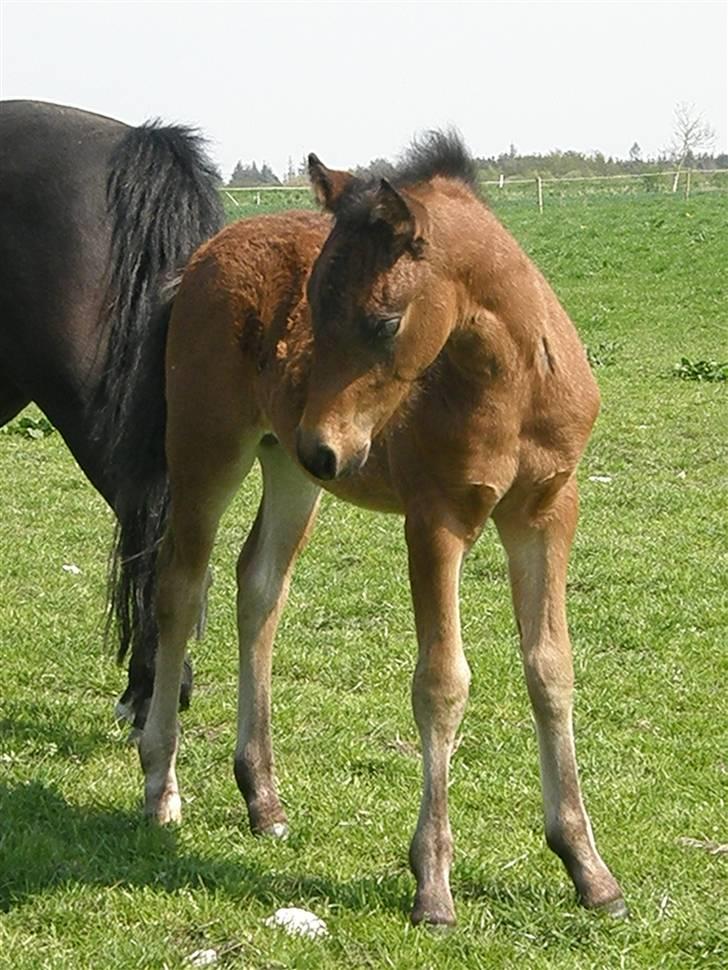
<point>46,843</point>
<point>40,725</point>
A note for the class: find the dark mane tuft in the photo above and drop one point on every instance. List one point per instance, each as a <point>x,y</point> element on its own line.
<point>436,153</point>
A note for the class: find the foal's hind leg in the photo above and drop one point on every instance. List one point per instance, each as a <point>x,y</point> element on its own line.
<point>284,519</point>
<point>538,552</point>
<point>201,490</point>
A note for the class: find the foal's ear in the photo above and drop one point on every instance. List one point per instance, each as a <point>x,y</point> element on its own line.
<point>328,184</point>
<point>404,215</point>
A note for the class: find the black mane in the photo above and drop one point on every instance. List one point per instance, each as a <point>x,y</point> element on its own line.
<point>436,153</point>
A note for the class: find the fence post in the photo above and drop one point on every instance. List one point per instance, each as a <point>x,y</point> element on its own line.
<point>501,180</point>
<point>687,183</point>
<point>539,192</point>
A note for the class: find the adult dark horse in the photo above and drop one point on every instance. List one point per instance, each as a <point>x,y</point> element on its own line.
<point>96,218</point>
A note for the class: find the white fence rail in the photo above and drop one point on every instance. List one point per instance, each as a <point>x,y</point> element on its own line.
<point>686,181</point>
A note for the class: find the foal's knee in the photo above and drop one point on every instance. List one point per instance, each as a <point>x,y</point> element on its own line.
<point>259,590</point>
<point>440,686</point>
<point>549,678</point>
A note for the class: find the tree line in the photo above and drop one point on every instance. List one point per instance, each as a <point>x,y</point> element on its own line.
<point>511,164</point>
<point>691,140</point>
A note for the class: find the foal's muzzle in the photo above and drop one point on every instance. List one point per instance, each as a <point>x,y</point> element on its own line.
<point>321,461</point>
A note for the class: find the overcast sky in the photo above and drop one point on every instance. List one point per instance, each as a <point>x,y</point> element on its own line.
<point>355,80</point>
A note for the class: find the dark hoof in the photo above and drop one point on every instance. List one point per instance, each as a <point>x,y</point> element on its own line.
<point>276,830</point>
<point>439,930</point>
<point>614,908</point>
<point>434,914</point>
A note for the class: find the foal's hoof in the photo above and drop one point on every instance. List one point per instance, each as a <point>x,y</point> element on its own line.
<point>165,810</point>
<point>613,908</point>
<point>437,915</point>
<point>277,830</point>
<point>439,930</point>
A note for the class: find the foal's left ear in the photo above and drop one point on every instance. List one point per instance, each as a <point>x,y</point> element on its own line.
<point>328,184</point>
<point>405,216</point>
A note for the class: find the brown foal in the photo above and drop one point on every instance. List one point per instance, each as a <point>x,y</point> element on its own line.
<point>409,358</point>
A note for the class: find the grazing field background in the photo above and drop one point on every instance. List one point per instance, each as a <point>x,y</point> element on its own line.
<point>85,883</point>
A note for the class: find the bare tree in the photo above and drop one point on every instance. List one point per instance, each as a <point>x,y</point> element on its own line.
<point>691,133</point>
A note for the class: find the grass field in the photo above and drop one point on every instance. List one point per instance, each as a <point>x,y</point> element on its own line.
<point>85,883</point>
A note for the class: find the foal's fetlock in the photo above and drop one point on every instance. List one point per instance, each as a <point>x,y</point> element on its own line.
<point>162,802</point>
<point>265,812</point>
<point>430,860</point>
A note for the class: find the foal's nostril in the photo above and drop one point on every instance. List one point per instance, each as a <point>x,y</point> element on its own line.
<point>323,463</point>
<point>316,458</point>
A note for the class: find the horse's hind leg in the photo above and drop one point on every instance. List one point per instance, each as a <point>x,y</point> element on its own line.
<point>538,552</point>
<point>266,562</point>
<point>12,401</point>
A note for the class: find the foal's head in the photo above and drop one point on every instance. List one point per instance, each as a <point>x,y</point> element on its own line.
<point>382,304</point>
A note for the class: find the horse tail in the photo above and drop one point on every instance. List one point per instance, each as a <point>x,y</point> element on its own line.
<point>163,203</point>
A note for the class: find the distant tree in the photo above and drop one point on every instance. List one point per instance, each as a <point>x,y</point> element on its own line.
<point>690,133</point>
<point>635,153</point>
<point>238,175</point>
<point>268,176</point>
<point>251,176</point>
<point>377,168</point>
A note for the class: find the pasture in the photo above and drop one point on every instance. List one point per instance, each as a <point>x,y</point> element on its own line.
<point>84,882</point>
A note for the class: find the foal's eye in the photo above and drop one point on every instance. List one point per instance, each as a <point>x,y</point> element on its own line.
<point>386,327</point>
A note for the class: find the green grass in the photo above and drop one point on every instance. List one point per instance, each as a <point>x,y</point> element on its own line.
<point>85,883</point>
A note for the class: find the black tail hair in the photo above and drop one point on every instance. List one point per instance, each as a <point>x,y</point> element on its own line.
<point>163,202</point>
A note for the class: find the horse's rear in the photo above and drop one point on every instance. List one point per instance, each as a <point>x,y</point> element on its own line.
<point>54,254</point>
<point>97,217</point>
<point>417,363</point>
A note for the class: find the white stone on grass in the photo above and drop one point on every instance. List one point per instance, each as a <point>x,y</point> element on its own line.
<point>298,922</point>
<point>202,958</point>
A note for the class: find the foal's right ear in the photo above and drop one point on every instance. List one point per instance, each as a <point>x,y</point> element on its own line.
<point>328,184</point>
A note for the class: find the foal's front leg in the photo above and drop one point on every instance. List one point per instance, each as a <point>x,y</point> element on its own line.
<point>439,694</point>
<point>284,519</point>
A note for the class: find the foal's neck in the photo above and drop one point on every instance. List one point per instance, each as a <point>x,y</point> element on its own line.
<point>501,297</point>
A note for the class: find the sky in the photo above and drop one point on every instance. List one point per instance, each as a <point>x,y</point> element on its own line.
<point>353,81</point>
